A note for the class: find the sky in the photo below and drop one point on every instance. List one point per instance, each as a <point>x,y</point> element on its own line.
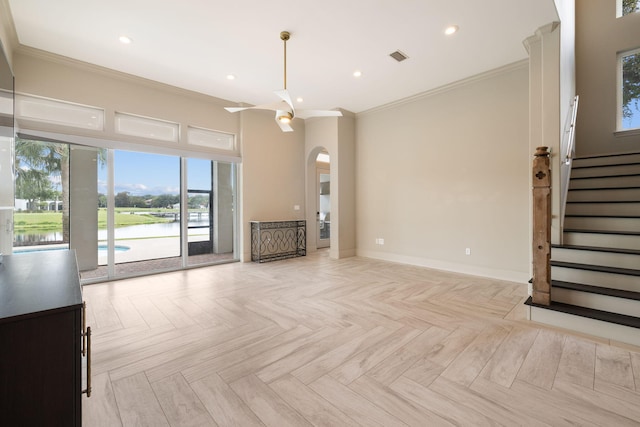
<point>632,122</point>
<point>143,173</point>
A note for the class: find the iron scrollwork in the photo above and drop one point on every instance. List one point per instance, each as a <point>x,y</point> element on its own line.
<point>274,240</point>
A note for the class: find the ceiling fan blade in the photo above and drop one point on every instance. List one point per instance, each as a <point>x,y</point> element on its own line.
<point>236,109</point>
<point>284,95</point>
<point>274,106</point>
<point>305,114</point>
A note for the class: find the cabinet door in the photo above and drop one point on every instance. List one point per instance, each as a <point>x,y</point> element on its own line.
<point>40,370</point>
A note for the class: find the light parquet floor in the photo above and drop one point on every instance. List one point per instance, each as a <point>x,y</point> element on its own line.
<point>314,341</point>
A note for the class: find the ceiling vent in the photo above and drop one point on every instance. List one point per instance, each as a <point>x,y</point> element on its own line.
<point>398,56</point>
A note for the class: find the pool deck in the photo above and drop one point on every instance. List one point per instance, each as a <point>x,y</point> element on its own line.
<point>143,256</point>
<point>138,249</point>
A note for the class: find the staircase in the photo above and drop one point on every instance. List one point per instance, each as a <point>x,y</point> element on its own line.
<point>596,271</point>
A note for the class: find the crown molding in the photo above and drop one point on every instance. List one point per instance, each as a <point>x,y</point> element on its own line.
<point>43,55</point>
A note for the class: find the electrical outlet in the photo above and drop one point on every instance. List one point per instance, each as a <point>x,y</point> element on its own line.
<point>381,241</point>
<point>467,251</point>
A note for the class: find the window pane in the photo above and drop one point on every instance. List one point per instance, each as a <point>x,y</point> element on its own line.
<point>41,220</point>
<point>630,6</point>
<point>631,91</point>
<point>210,138</point>
<point>147,212</point>
<point>211,192</point>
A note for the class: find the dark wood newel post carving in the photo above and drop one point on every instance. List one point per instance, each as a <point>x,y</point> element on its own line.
<point>541,227</point>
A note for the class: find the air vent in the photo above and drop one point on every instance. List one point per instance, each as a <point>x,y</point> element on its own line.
<point>398,56</point>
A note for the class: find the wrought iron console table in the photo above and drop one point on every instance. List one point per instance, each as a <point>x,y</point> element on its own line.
<point>274,240</point>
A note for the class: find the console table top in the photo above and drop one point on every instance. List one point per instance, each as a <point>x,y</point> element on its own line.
<point>39,281</point>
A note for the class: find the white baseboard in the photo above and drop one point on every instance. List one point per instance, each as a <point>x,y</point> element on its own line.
<point>473,270</point>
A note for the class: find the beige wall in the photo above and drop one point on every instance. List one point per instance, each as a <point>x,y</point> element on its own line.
<point>337,137</point>
<point>449,171</point>
<point>47,75</point>
<point>272,172</point>
<point>321,135</point>
<point>566,10</point>
<point>346,189</point>
<point>599,38</point>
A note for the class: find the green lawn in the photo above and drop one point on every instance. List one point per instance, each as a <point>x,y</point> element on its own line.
<point>24,221</point>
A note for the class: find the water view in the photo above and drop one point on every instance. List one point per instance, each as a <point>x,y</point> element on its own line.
<point>142,231</point>
<point>145,206</point>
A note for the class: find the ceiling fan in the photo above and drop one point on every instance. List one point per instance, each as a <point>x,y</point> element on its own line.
<point>284,107</point>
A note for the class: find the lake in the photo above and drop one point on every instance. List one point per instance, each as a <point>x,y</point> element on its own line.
<point>164,229</point>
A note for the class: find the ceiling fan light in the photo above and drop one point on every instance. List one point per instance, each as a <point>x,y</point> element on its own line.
<point>285,117</point>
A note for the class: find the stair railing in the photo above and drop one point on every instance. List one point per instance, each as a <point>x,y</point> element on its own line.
<point>568,150</point>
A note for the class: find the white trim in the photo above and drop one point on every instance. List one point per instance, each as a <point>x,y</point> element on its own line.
<point>122,145</point>
<point>627,132</point>
<point>619,9</point>
<point>507,275</point>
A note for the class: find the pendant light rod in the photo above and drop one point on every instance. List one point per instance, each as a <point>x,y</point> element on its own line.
<point>284,36</point>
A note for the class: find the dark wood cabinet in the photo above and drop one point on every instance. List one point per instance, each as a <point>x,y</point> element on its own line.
<point>40,340</point>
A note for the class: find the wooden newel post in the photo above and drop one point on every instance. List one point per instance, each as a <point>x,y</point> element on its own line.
<point>541,227</point>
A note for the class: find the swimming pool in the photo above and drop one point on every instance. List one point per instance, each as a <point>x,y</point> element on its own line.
<point>101,249</point>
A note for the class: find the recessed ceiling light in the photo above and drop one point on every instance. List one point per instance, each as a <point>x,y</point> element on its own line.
<point>357,73</point>
<point>231,77</point>
<point>125,39</point>
<point>299,99</point>
<point>451,29</point>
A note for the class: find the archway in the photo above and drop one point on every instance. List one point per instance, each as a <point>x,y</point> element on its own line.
<point>336,136</point>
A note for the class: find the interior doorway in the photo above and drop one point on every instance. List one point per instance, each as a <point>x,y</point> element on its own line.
<point>323,208</point>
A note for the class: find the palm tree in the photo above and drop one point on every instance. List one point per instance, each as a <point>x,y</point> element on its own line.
<point>36,163</point>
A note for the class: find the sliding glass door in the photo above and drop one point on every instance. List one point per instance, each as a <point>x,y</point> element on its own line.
<point>122,210</point>
<point>211,198</point>
<point>41,215</point>
<point>146,212</point>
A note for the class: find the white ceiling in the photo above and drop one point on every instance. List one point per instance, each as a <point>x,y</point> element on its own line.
<point>195,44</point>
